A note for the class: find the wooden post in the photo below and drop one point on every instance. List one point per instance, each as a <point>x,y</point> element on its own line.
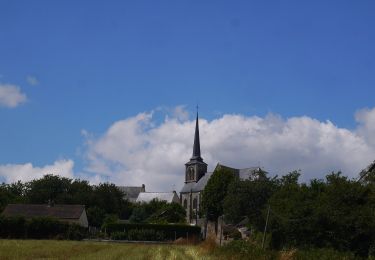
<point>265,227</point>
<point>221,228</point>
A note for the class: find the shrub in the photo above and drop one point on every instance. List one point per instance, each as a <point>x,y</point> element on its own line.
<point>235,234</point>
<point>145,235</point>
<point>75,232</point>
<point>166,231</point>
<point>119,236</point>
<point>322,254</point>
<point>44,227</point>
<point>39,228</point>
<point>240,249</point>
<point>12,227</point>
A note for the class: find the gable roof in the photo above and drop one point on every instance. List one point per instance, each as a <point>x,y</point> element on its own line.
<point>146,197</point>
<point>43,210</point>
<point>132,192</point>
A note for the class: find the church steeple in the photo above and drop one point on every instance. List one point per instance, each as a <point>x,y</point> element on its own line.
<point>197,146</point>
<point>196,167</point>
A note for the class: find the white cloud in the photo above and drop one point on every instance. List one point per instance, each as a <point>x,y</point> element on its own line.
<point>26,172</point>
<point>11,95</point>
<point>366,119</point>
<point>32,80</point>
<point>180,113</point>
<point>137,150</point>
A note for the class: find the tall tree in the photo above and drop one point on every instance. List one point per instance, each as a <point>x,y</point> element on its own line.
<point>215,191</point>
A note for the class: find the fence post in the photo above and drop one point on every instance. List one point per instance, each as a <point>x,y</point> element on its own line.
<point>265,227</point>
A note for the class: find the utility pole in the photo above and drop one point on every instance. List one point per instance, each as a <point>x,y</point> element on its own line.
<point>265,227</point>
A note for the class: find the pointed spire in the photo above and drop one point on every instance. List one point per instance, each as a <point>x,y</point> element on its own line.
<point>197,146</point>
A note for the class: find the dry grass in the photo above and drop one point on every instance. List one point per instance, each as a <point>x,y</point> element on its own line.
<point>49,249</point>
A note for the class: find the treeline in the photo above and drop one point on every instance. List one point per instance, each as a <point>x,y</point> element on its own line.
<point>336,212</point>
<point>105,203</point>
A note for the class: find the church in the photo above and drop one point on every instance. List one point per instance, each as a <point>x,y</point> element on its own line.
<point>196,178</point>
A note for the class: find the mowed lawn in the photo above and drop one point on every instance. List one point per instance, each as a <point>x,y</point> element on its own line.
<point>54,249</point>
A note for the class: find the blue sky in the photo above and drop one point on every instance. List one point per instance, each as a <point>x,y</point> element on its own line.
<point>97,62</point>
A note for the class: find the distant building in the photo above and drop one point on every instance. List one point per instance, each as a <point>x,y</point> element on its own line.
<point>196,178</point>
<point>169,197</point>
<point>67,213</point>
<point>132,192</point>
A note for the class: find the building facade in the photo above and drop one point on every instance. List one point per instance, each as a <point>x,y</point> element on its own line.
<point>196,178</point>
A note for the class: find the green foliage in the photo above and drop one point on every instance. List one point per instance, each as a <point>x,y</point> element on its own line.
<point>240,249</point>
<point>44,227</point>
<point>50,187</point>
<point>169,231</point>
<point>215,191</point>
<point>108,197</point>
<point>95,216</point>
<point>158,212</point>
<point>322,254</point>
<point>248,198</point>
<point>39,228</point>
<point>139,215</point>
<point>169,213</point>
<point>11,193</point>
<point>99,200</point>
<point>12,227</point>
<point>337,213</point>
<point>110,218</point>
<point>117,235</point>
<point>146,235</point>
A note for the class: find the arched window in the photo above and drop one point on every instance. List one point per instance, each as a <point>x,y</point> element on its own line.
<point>191,173</point>
<point>185,203</point>
<point>195,203</point>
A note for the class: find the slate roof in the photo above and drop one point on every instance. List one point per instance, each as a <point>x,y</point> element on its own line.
<point>131,192</point>
<point>43,210</point>
<point>162,196</point>
<point>250,173</point>
<point>196,186</point>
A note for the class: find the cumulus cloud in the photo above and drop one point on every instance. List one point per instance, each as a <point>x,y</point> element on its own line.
<point>25,172</point>
<point>32,80</point>
<point>366,120</point>
<point>139,150</point>
<point>11,96</point>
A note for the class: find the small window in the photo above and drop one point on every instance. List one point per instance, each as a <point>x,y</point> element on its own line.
<point>185,203</point>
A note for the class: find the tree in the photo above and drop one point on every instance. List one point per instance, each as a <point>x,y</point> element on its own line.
<point>215,191</point>
<point>247,198</point>
<point>49,188</point>
<point>111,199</point>
<point>169,213</point>
<point>95,216</point>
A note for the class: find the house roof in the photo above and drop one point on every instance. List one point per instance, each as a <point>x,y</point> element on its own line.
<point>161,196</point>
<point>43,210</point>
<point>131,192</point>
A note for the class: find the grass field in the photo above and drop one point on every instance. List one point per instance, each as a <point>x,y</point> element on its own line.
<point>52,249</point>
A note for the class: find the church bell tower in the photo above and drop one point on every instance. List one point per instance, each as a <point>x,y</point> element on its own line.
<point>195,168</point>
